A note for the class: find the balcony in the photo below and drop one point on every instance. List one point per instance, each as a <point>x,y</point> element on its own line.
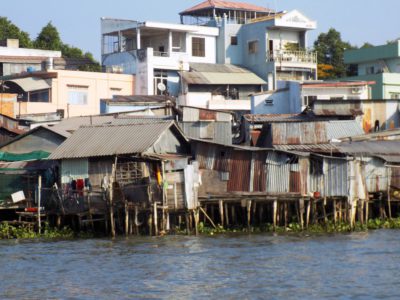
<point>292,57</point>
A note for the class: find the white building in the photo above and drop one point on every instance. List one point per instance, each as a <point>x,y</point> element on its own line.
<point>272,45</point>
<point>293,97</point>
<point>155,52</point>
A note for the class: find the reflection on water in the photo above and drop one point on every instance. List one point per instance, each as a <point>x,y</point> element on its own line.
<point>357,266</point>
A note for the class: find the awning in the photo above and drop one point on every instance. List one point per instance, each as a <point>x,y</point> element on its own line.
<point>220,74</point>
<point>30,84</point>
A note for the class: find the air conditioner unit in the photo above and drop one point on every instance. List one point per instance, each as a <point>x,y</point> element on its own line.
<point>356,91</point>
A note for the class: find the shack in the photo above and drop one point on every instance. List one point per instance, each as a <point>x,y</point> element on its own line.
<point>138,166</point>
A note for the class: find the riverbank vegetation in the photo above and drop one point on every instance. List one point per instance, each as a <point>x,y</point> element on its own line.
<point>10,231</point>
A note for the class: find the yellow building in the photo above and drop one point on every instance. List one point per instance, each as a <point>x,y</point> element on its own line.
<point>68,93</point>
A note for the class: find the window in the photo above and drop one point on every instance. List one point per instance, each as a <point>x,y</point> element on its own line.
<point>308,100</point>
<point>269,102</point>
<point>394,95</point>
<point>198,47</point>
<point>253,47</point>
<point>371,70</point>
<point>39,96</point>
<point>234,40</point>
<point>77,94</point>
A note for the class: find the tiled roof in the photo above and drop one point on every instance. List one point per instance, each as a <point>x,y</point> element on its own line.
<point>226,5</point>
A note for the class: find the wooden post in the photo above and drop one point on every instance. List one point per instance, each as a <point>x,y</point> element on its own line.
<point>137,220</point>
<point>308,212</point>
<point>196,220</point>
<point>155,219</point>
<point>221,212</point>
<point>275,211</point>
<point>187,223</point>
<point>126,218</point>
<point>253,219</point>
<point>334,212</point>
<point>248,206</point>
<point>233,214</point>
<point>389,204</point>
<point>90,211</point>
<point>39,195</point>
<point>205,215</point>
<point>324,211</point>
<point>285,207</point>
<point>112,221</point>
<point>301,212</point>
<point>366,209</point>
<point>226,214</point>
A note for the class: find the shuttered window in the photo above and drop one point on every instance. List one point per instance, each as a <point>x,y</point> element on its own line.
<point>198,47</point>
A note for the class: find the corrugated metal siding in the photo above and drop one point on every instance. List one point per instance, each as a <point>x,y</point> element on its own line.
<point>316,176</point>
<point>190,114</point>
<point>395,180</point>
<point>278,173</point>
<point>74,169</point>
<point>222,131</point>
<point>259,174</point>
<point>375,174</point>
<point>239,172</point>
<point>336,178</point>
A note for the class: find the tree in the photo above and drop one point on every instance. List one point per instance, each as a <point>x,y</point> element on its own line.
<point>48,38</point>
<point>10,31</point>
<point>330,49</point>
<point>367,45</point>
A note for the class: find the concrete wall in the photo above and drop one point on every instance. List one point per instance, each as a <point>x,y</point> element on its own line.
<point>99,86</point>
<point>277,103</point>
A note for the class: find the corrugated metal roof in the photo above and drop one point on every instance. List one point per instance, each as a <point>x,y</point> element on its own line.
<point>30,84</point>
<point>373,148</point>
<point>220,74</point>
<point>324,148</point>
<point>226,5</point>
<point>72,124</point>
<point>335,108</point>
<point>141,98</point>
<point>269,118</point>
<point>106,140</point>
<point>310,133</point>
<point>140,120</point>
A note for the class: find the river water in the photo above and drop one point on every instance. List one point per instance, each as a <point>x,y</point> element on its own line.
<point>362,265</point>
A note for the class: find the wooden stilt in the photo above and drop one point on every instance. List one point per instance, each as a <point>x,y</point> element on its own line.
<point>196,220</point>
<point>248,209</point>
<point>308,213</point>
<point>334,212</point>
<point>155,218</point>
<point>126,218</point>
<point>187,223</point>
<point>389,204</point>
<point>285,207</point>
<point>260,213</point>
<point>324,211</point>
<point>275,212</point>
<point>226,208</point>
<point>233,214</point>
<point>150,223</point>
<point>253,219</point>
<point>366,210</point>
<point>221,212</point>
<point>206,216</point>
<point>301,213</point>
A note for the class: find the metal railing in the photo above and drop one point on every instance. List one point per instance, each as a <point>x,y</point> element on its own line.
<point>296,56</point>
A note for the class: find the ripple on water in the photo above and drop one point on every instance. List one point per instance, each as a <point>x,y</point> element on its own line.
<point>357,266</point>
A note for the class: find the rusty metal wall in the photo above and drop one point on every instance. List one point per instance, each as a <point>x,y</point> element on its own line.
<point>239,171</point>
<point>259,172</point>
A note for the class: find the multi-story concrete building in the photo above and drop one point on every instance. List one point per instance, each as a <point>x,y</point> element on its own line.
<point>272,45</point>
<point>380,64</point>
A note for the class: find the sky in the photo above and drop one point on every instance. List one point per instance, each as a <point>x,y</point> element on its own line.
<point>78,21</point>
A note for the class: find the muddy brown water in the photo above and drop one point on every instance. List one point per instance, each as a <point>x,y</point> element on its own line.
<point>362,265</point>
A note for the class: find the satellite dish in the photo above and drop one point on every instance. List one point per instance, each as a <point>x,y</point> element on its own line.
<point>161,87</point>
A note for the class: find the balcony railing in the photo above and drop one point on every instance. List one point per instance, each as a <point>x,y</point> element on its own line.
<point>309,57</point>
